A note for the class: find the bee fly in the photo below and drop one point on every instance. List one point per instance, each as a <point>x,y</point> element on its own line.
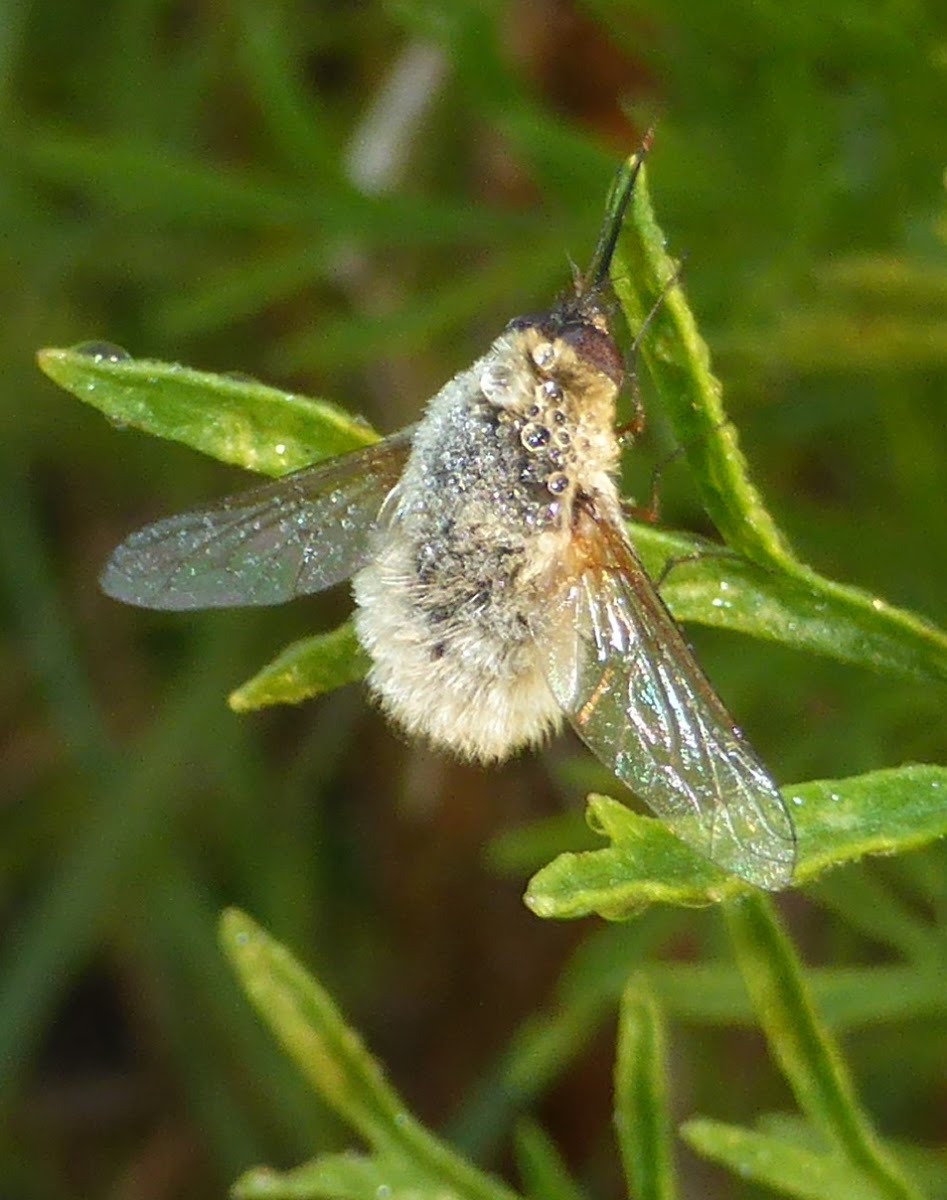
<point>497,591</point>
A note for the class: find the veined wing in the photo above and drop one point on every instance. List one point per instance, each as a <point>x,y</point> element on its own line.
<point>296,535</point>
<point>630,686</point>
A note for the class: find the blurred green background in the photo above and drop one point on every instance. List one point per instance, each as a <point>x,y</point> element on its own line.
<point>350,199</point>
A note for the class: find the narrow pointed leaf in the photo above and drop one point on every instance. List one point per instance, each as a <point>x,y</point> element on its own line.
<point>333,1059</point>
<point>679,362</point>
<point>787,1168</point>
<point>642,1119</point>
<point>235,420</point>
<point>307,668</point>
<point>802,1046</point>
<point>807,611</point>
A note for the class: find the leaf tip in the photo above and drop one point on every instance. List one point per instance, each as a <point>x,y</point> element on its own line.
<point>239,701</point>
<point>237,931</point>
<point>48,358</point>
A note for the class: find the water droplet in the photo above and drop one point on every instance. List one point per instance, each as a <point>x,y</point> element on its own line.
<point>534,437</point>
<point>533,411</point>
<point>241,377</point>
<point>557,483</point>
<point>552,391</point>
<point>834,796</point>
<point>724,585</point>
<point>877,604</point>
<point>280,447</point>
<point>401,1118</point>
<point>563,437</point>
<point>798,801</point>
<point>544,355</point>
<point>102,352</point>
<point>383,1191</point>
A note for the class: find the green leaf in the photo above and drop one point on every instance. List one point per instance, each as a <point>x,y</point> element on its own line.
<point>642,1120</point>
<point>348,1176</point>
<point>796,604</point>
<point>927,1167</point>
<point>307,668</point>
<point>541,1166</point>
<point>235,420</point>
<point>805,611</point>
<point>778,1164</point>
<point>803,1047</point>
<point>335,1062</point>
<point>837,821</point>
<point>679,362</point>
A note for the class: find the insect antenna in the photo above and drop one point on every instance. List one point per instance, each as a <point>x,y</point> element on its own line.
<point>615,208</point>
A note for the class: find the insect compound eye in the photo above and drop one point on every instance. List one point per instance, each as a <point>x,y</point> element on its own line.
<point>595,348</point>
<point>496,383</point>
<point>544,355</point>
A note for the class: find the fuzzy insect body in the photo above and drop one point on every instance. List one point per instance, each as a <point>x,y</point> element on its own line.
<point>476,537</point>
<point>497,591</point>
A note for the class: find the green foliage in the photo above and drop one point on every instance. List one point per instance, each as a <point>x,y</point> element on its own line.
<point>775,596</point>
<point>211,187</point>
<point>407,1160</point>
<point>837,821</point>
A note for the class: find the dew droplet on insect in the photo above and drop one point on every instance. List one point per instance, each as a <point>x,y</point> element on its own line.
<point>552,391</point>
<point>557,483</point>
<point>534,437</point>
<point>102,352</point>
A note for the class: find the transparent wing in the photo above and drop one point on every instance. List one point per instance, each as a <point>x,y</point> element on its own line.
<point>627,681</point>
<point>297,535</point>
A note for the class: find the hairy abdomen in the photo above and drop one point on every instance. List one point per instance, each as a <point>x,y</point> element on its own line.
<point>453,657</point>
